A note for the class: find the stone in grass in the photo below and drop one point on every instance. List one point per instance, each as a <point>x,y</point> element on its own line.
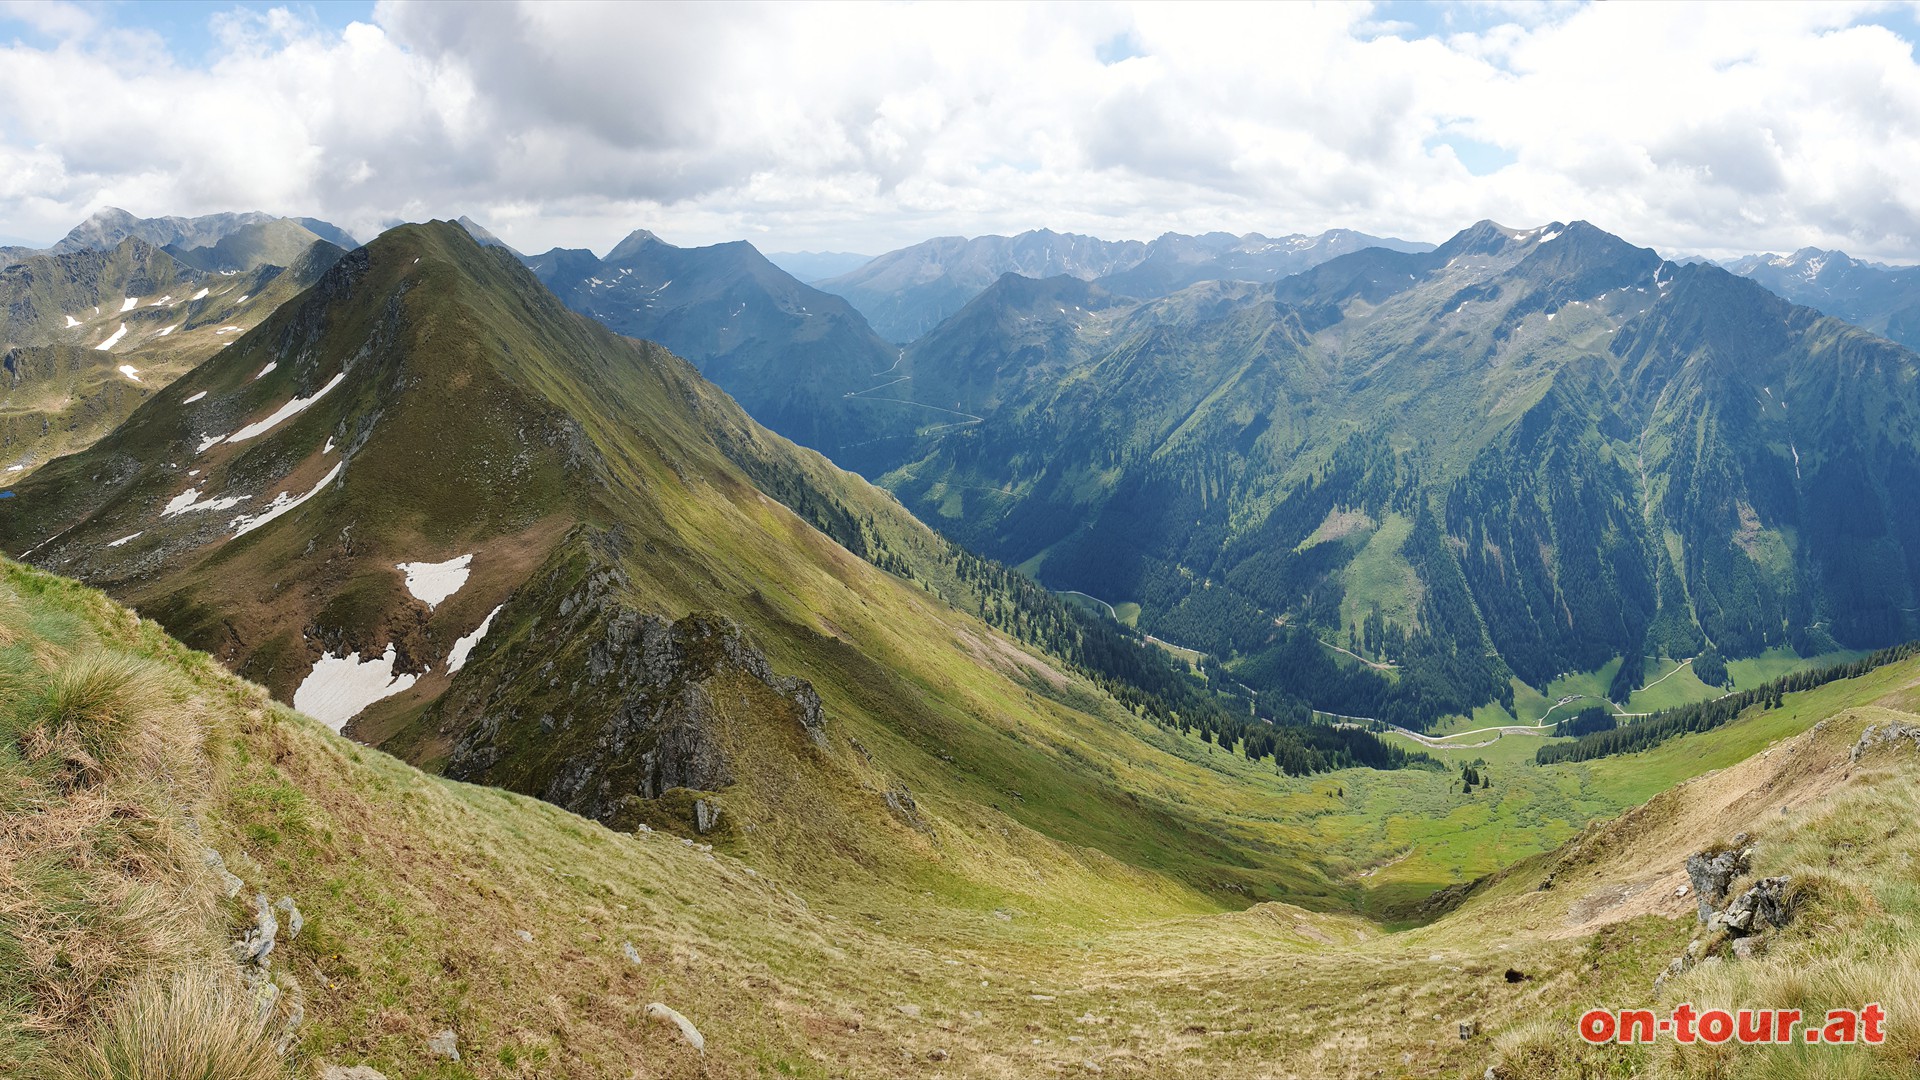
<point>445,1044</point>
<point>661,1014</point>
<point>351,1072</point>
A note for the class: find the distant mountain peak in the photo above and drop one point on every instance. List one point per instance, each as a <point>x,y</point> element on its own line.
<point>481,235</point>
<point>636,241</point>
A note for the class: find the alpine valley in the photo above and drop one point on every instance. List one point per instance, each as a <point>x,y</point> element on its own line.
<point>1017,656</point>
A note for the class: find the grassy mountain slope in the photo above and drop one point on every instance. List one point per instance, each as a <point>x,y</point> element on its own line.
<point>606,493</point>
<point>153,315</point>
<point>1521,454</point>
<point>538,938</point>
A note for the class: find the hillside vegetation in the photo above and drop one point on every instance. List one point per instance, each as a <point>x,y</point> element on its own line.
<point>139,776</point>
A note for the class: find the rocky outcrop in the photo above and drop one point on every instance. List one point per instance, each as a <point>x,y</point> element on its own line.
<point>1883,735</point>
<point>1741,915</point>
<point>600,705</point>
<point>1713,872</point>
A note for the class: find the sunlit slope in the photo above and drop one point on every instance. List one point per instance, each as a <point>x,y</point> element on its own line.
<point>428,400</point>
<point>539,939</point>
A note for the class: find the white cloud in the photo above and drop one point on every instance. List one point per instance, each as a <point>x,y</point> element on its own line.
<point>1698,128</point>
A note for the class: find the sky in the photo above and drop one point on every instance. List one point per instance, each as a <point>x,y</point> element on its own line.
<point>1712,129</point>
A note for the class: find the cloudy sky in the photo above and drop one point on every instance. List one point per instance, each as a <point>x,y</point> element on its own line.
<point>1714,129</point>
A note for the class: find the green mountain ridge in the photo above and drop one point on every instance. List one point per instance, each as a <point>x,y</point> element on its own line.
<point>1538,450</point>
<point>428,401</point>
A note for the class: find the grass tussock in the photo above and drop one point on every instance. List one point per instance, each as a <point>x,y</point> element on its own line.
<point>190,1026</point>
<point>109,922</point>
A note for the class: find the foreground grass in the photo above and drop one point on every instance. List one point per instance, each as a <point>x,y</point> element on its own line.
<point>539,939</point>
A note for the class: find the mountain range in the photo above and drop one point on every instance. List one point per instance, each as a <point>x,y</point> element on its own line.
<point>821,790</point>
<point>1876,297</point>
<point>87,335</point>
<point>1519,455</point>
<point>427,504</point>
<point>908,292</point>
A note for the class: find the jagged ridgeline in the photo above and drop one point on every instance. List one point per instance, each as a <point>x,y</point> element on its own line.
<point>1395,482</point>
<point>425,502</point>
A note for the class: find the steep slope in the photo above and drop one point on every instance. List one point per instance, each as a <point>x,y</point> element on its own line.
<point>173,844</point>
<point>86,336</point>
<point>1523,453</point>
<point>426,503</point>
<point>1883,299</point>
<point>794,357</point>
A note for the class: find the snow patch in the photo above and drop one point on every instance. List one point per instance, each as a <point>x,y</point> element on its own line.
<point>434,582</point>
<point>463,648</point>
<point>113,339</point>
<point>340,687</point>
<point>207,442</point>
<point>72,322</point>
<point>228,330</point>
<point>188,501</point>
<point>290,409</point>
<point>130,372</point>
<point>162,300</point>
<point>328,449</point>
<point>170,329</point>
<point>281,504</point>
<point>195,398</point>
<point>122,540</point>
<point>132,302</point>
<point>1550,237</point>
<point>242,300</point>
<point>201,295</point>
<point>265,371</point>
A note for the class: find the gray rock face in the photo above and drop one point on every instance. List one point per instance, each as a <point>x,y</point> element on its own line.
<point>1879,735</point>
<point>1768,903</point>
<point>1712,874</point>
<point>258,943</point>
<point>610,704</point>
<point>706,815</point>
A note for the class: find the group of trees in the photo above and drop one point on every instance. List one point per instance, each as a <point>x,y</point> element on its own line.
<point>1707,715</point>
<point>1586,722</point>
